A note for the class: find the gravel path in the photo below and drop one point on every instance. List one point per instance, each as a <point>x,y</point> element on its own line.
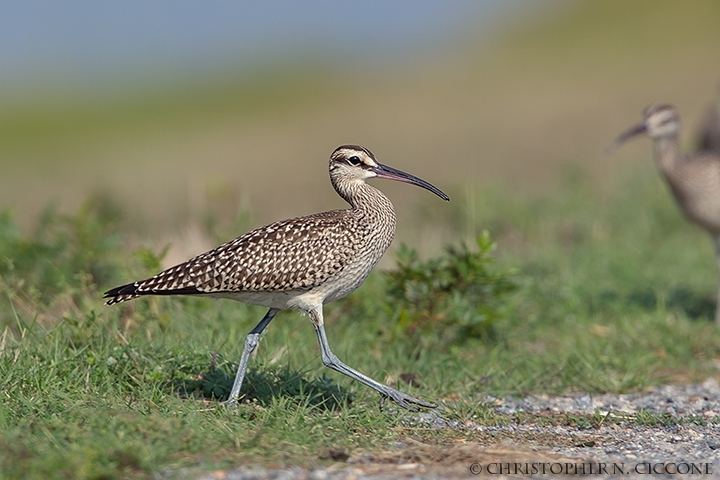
<point>686,446</point>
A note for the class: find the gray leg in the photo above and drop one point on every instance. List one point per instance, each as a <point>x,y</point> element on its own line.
<point>716,239</point>
<point>251,341</point>
<point>330,360</point>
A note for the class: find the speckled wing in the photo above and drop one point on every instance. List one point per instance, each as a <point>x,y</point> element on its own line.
<point>294,254</point>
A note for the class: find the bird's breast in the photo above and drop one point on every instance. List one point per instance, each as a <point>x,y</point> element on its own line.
<point>366,256</point>
<point>696,187</point>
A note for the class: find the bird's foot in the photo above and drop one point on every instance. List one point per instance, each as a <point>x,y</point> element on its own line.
<point>404,400</point>
<point>231,404</point>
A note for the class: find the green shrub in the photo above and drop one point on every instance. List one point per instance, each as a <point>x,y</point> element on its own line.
<point>63,256</point>
<point>458,295</point>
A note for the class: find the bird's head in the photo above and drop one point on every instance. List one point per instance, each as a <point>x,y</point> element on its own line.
<point>352,164</point>
<point>659,121</point>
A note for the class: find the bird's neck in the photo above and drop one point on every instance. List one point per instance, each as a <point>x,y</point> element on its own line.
<point>667,154</point>
<point>364,198</point>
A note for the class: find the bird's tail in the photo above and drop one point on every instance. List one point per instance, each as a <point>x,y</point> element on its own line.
<point>146,287</point>
<point>121,294</point>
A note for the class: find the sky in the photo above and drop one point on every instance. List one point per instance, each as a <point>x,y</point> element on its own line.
<point>89,42</point>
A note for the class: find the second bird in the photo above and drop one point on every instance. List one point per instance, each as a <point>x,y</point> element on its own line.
<point>300,264</point>
<point>693,178</point>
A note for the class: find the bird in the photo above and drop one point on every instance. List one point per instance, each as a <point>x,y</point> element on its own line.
<point>708,135</point>
<point>694,179</point>
<point>299,264</point>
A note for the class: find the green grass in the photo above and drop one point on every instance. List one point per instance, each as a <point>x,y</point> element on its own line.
<point>593,289</point>
<point>614,292</point>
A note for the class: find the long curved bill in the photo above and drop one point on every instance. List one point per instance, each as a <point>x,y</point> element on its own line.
<point>627,134</point>
<point>383,171</point>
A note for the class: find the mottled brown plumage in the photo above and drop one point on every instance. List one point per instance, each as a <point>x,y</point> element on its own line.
<point>694,179</point>
<point>296,254</point>
<point>300,263</point>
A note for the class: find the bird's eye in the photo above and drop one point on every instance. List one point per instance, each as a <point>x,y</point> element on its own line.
<point>354,161</point>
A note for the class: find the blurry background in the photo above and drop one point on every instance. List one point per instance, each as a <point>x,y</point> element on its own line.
<point>172,110</point>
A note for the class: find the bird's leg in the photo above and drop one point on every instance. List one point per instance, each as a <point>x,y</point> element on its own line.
<point>716,240</point>
<point>251,341</point>
<point>330,360</point>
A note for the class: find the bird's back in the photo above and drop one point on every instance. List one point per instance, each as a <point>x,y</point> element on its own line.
<point>295,255</point>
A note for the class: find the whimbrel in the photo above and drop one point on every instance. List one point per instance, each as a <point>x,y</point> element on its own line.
<point>300,263</point>
<point>694,179</point>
